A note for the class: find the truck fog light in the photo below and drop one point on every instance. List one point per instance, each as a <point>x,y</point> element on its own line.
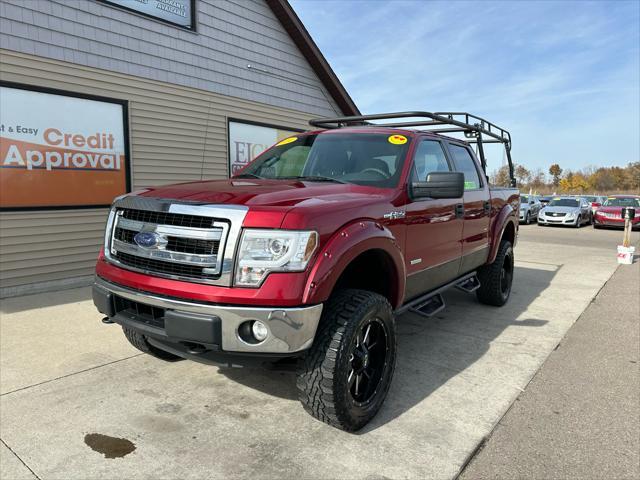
<point>253,332</point>
<point>259,330</point>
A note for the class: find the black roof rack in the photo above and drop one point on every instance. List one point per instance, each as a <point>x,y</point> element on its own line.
<point>473,127</point>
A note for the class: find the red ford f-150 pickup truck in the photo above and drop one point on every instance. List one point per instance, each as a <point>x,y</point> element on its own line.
<point>310,251</point>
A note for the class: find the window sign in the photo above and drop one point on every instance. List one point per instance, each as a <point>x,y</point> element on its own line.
<point>247,141</point>
<point>59,150</point>
<point>177,12</point>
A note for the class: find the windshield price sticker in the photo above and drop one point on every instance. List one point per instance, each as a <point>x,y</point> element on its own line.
<point>287,140</point>
<point>397,139</point>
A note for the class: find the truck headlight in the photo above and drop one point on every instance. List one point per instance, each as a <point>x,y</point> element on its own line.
<point>264,251</point>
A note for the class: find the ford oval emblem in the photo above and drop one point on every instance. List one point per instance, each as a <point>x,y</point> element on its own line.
<point>147,239</point>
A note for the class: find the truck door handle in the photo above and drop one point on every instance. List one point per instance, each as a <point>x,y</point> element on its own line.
<point>487,207</point>
<point>459,210</point>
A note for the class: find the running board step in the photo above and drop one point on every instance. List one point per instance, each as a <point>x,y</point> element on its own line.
<point>429,307</point>
<point>469,285</point>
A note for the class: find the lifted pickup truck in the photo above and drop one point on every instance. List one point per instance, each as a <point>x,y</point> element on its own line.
<point>309,252</point>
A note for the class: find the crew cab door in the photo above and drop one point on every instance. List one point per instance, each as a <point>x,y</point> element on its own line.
<point>434,228</point>
<point>477,208</point>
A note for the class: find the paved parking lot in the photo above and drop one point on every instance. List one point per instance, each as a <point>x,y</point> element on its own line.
<point>65,376</point>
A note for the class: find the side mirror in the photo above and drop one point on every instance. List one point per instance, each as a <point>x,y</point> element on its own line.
<point>439,185</point>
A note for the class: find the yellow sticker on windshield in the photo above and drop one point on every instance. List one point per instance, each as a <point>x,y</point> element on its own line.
<point>287,140</point>
<point>397,139</point>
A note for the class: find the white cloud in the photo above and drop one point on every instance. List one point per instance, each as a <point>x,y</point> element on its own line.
<point>561,76</point>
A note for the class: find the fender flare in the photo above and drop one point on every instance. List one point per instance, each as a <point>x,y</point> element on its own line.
<point>504,218</point>
<point>343,247</point>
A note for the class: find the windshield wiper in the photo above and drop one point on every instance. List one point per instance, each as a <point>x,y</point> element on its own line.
<point>315,178</point>
<point>247,175</point>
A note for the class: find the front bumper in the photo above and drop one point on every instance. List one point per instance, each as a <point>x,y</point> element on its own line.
<point>614,222</point>
<point>545,220</point>
<point>208,326</point>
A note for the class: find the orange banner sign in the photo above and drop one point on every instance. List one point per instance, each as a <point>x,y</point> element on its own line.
<point>60,151</point>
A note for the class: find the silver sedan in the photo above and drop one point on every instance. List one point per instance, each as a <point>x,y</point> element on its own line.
<point>529,207</point>
<point>568,211</point>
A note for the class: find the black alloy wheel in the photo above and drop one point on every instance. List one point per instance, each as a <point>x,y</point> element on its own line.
<point>369,359</point>
<point>344,377</point>
<point>496,278</point>
<point>506,276</point>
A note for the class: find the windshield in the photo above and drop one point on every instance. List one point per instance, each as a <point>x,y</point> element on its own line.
<point>564,202</point>
<point>524,198</point>
<point>622,202</point>
<point>361,158</point>
<point>591,199</point>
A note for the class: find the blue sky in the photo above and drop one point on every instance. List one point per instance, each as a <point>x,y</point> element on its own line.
<point>563,77</point>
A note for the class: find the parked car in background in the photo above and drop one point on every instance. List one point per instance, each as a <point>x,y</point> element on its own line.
<point>545,200</point>
<point>571,211</point>
<point>529,207</point>
<point>595,201</point>
<point>610,213</point>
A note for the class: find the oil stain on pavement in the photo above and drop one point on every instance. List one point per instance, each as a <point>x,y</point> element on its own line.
<point>110,447</point>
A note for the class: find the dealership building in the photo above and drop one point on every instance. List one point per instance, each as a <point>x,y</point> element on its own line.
<point>98,98</point>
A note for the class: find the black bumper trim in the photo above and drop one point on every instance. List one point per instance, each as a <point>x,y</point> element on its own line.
<point>178,326</point>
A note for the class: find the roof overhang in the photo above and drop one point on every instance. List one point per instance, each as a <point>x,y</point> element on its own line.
<point>301,37</point>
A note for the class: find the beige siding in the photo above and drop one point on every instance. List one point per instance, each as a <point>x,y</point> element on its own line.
<point>176,134</point>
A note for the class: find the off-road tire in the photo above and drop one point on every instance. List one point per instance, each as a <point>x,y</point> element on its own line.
<point>492,291</point>
<point>322,380</point>
<point>140,342</point>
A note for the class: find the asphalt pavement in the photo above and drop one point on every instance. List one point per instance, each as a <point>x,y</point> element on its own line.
<point>579,416</point>
<point>77,401</point>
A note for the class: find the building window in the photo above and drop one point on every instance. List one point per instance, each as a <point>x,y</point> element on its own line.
<point>247,140</point>
<point>60,149</point>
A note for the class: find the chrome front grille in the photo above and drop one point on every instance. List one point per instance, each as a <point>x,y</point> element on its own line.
<point>182,241</point>
<point>176,219</point>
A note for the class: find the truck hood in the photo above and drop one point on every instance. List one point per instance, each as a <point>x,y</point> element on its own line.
<point>275,196</point>
<point>322,206</point>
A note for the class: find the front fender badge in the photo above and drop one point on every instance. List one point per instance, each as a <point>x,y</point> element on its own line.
<point>395,214</point>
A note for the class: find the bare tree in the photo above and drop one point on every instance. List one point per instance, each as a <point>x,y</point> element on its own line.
<point>522,175</point>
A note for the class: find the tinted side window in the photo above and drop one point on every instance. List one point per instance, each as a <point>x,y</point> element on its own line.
<point>465,164</point>
<point>429,157</point>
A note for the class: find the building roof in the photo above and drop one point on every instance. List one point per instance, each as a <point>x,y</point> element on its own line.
<point>301,37</point>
